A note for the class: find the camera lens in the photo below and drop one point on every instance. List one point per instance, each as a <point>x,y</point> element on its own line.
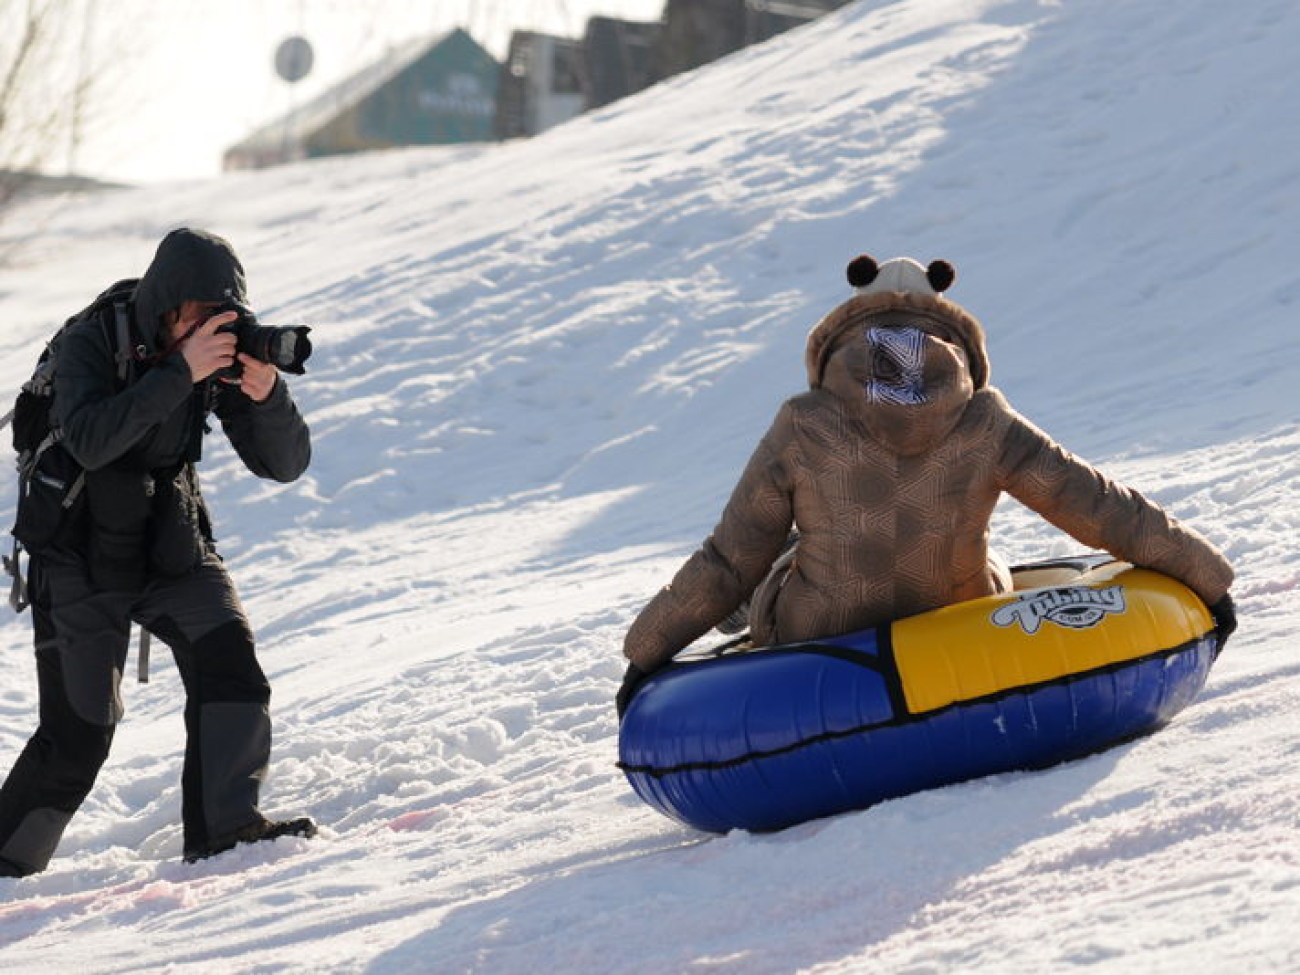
<point>284,348</point>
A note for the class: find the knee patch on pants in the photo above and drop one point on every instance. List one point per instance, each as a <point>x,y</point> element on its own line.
<point>219,666</point>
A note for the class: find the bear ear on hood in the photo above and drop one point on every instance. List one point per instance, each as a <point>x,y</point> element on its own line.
<point>862,270</point>
<point>941,275</point>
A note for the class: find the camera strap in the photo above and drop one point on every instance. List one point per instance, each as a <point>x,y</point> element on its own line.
<point>124,354</point>
<point>126,357</point>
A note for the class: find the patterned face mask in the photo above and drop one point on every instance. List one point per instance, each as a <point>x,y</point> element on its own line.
<point>897,357</point>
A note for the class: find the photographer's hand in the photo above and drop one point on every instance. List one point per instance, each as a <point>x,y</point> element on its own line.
<point>207,350</point>
<point>258,378</point>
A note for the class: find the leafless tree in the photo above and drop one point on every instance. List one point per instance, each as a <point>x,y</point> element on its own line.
<point>42,87</point>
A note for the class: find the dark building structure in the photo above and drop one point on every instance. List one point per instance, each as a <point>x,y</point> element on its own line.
<point>619,58</point>
<point>696,32</point>
<point>541,84</point>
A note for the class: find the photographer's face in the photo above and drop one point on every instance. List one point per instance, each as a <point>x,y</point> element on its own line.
<point>188,317</point>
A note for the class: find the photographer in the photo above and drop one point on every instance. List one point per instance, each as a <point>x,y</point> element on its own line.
<point>138,547</point>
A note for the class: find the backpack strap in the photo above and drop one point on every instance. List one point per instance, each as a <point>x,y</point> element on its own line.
<point>142,657</point>
<point>27,465</point>
<point>18,600</point>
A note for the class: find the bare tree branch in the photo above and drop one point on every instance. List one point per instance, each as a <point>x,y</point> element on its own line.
<point>35,95</point>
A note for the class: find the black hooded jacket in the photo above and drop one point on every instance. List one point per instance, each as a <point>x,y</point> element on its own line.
<point>139,443</point>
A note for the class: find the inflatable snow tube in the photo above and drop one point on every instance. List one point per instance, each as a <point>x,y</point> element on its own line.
<point>1082,655</point>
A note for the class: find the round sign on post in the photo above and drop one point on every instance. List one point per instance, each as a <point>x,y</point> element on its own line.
<point>293,59</point>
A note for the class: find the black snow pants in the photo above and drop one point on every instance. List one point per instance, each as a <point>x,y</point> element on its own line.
<point>82,637</point>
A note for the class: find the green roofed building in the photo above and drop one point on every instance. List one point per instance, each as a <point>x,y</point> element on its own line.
<point>424,93</point>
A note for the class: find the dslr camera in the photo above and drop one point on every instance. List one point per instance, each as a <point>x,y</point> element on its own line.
<point>285,348</point>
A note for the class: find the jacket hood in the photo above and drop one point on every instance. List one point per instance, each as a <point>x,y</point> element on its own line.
<point>190,265</point>
<point>932,313</point>
<point>905,364</point>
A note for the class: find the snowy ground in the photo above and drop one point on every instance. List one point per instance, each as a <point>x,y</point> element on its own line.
<point>540,367</point>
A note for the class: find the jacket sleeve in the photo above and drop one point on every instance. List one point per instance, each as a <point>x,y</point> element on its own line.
<point>270,437</point>
<point>730,564</point>
<point>99,422</point>
<point>1104,514</point>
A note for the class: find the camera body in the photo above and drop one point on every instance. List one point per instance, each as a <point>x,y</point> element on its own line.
<point>285,348</point>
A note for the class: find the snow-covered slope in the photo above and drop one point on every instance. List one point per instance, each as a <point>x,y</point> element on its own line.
<point>540,367</point>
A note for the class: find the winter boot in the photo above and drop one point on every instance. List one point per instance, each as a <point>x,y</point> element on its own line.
<point>267,829</point>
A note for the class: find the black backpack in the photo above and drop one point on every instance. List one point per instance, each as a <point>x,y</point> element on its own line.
<point>50,481</point>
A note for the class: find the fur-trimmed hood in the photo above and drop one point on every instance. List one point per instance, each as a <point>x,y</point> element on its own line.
<point>932,313</point>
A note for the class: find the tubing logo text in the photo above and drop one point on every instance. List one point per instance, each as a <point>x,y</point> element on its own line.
<point>1074,607</point>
